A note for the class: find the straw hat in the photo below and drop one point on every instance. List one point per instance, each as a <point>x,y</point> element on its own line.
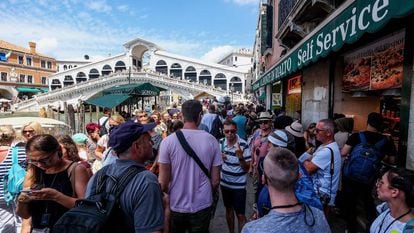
<point>295,129</point>
<point>264,116</point>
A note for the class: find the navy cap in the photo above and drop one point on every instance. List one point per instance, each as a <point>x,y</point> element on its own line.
<point>123,135</point>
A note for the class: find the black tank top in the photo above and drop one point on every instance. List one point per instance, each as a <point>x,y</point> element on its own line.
<point>59,181</point>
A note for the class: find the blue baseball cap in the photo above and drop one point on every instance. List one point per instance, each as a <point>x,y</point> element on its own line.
<point>123,135</point>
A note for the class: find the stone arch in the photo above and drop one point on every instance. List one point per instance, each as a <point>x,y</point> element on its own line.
<point>68,80</point>
<point>236,84</point>
<point>81,77</point>
<point>93,73</point>
<point>55,84</point>
<point>65,67</point>
<point>220,81</point>
<point>106,70</point>
<point>4,93</point>
<point>190,74</point>
<point>120,66</point>
<point>176,71</point>
<point>161,67</point>
<point>205,77</point>
<point>137,53</point>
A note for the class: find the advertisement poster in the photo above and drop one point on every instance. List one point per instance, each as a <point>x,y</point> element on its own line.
<point>276,99</point>
<point>294,85</point>
<point>377,66</point>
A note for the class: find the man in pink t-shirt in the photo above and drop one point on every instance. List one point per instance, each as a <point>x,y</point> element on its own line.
<point>189,188</point>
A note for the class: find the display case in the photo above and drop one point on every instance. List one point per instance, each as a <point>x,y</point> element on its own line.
<point>390,111</point>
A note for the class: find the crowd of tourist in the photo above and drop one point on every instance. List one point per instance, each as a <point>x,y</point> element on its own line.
<point>203,151</point>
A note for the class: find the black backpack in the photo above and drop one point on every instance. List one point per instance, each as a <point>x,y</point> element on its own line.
<point>101,211</point>
<point>217,128</point>
<point>102,128</point>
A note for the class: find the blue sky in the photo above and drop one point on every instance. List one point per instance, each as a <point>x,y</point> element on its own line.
<point>69,29</point>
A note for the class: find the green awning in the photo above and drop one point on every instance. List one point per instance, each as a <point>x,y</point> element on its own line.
<point>28,89</point>
<point>344,26</point>
<point>108,101</point>
<point>144,89</point>
<point>262,97</point>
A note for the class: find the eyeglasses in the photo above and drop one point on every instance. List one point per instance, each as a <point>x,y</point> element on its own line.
<point>28,131</point>
<point>41,161</point>
<point>229,131</point>
<point>319,130</point>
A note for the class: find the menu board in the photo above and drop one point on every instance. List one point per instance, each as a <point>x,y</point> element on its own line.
<point>377,66</point>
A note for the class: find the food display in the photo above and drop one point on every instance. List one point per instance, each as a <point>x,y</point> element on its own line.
<point>376,66</point>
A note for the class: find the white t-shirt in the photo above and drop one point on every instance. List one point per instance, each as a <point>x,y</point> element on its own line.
<point>322,177</point>
<point>385,219</point>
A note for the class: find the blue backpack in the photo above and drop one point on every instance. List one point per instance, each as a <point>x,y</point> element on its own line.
<point>13,181</point>
<point>304,191</point>
<point>364,161</point>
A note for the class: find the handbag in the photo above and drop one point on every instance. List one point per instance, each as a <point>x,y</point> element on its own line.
<point>193,155</point>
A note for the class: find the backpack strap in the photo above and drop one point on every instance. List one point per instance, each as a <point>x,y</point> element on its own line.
<point>381,143</point>
<point>191,152</point>
<point>125,178</point>
<point>362,138</point>
<point>15,158</point>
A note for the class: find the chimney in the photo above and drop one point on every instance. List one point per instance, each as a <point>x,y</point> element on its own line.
<point>32,46</point>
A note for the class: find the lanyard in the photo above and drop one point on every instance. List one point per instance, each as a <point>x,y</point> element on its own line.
<point>393,221</point>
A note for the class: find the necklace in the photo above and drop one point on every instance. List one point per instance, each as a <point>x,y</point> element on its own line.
<point>393,221</point>
<point>285,206</point>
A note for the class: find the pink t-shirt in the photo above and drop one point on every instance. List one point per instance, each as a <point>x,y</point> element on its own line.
<point>190,189</point>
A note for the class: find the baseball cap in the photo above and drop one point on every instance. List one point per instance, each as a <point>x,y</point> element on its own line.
<point>278,138</point>
<point>80,138</point>
<point>123,135</point>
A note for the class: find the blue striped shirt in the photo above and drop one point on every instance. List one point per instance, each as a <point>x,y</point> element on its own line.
<point>232,174</point>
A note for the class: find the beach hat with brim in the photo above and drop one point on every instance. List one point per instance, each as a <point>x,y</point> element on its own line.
<point>264,116</point>
<point>295,129</point>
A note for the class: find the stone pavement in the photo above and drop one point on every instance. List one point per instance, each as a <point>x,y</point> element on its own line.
<point>219,225</point>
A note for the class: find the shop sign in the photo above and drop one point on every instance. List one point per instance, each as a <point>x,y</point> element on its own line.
<point>359,17</point>
<point>376,66</point>
<point>294,85</point>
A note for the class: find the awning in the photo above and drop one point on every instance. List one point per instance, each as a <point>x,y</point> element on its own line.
<point>144,89</point>
<point>108,101</point>
<point>345,26</point>
<point>43,89</point>
<point>262,97</point>
<point>28,89</point>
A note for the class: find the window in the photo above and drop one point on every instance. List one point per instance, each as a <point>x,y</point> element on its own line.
<point>235,58</point>
<point>22,78</point>
<point>43,64</point>
<point>44,80</point>
<point>49,65</point>
<point>29,61</point>
<point>29,79</point>
<point>3,76</point>
<point>21,60</point>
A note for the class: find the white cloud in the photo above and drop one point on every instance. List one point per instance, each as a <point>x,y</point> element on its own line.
<point>47,45</point>
<point>123,8</point>
<point>217,53</point>
<point>99,6</point>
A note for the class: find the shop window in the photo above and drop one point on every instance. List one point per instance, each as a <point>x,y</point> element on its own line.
<point>44,80</point>
<point>43,64</point>
<point>3,76</point>
<point>29,79</point>
<point>21,60</point>
<point>29,61</point>
<point>49,65</point>
<point>22,78</point>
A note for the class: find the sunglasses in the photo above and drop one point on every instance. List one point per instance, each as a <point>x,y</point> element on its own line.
<point>264,122</point>
<point>229,131</point>
<point>28,131</point>
<point>319,130</point>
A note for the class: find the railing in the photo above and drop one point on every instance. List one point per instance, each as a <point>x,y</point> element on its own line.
<point>285,7</point>
<point>96,85</point>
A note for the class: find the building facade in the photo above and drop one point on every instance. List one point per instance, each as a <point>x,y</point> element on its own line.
<point>351,57</point>
<point>23,71</point>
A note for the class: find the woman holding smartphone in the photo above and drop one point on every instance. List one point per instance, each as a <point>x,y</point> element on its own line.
<point>52,184</point>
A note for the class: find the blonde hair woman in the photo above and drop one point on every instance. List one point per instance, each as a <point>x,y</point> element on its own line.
<point>31,129</point>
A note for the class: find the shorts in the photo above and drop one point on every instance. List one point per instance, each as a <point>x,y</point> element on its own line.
<point>234,198</point>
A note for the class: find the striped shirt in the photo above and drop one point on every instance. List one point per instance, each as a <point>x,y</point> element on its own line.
<point>6,165</point>
<point>232,174</point>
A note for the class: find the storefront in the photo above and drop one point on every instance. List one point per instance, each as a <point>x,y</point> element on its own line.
<point>359,60</point>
